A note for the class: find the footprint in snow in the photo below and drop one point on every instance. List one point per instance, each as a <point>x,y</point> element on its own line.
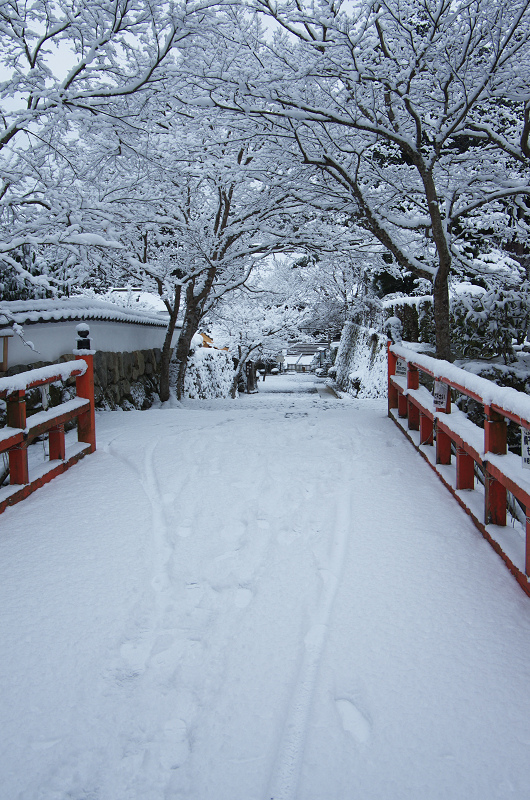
<point>174,747</point>
<point>234,533</point>
<point>353,721</point>
<point>184,530</point>
<point>243,597</point>
<point>135,653</point>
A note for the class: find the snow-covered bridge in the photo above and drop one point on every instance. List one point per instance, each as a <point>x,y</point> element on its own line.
<point>268,598</point>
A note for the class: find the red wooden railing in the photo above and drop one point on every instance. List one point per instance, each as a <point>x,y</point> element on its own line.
<point>474,464</point>
<point>20,432</point>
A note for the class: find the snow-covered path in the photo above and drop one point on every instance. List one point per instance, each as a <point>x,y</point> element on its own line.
<point>267,598</point>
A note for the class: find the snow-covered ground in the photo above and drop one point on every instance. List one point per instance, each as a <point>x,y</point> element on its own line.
<point>272,597</point>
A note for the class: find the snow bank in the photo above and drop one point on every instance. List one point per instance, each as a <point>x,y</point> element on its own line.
<point>210,374</point>
<point>361,361</point>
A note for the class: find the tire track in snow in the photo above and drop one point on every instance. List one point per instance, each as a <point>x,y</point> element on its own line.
<point>147,479</point>
<point>163,551</point>
<point>286,772</point>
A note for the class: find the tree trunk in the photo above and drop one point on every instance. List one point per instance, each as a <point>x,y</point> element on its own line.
<point>442,324</point>
<point>190,327</point>
<point>166,348</point>
<point>192,319</point>
<point>240,367</point>
<point>233,390</point>
<point>441,310</point>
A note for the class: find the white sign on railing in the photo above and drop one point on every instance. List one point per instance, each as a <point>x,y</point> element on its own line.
<point>440,394</point>
<point>401,367</point>
<point>525,447</point>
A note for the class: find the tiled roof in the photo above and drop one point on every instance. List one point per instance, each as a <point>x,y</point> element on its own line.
<point>306,348</point>
<point>26,312</point>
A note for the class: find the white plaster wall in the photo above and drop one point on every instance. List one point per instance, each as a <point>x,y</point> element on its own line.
<point>54,339</point>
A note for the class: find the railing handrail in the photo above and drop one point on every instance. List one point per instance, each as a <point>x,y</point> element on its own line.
<point>484,460</point>
<point>20,430</point>
<point>41,376</point>
<point>504,400</point>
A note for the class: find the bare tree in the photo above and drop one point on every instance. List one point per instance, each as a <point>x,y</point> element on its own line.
<point>398,106</point>
<point>70,66</point>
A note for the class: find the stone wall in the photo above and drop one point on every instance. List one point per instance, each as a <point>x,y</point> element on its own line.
<point>361,362</point>
<point>126,380</point>
<point>121,380</point>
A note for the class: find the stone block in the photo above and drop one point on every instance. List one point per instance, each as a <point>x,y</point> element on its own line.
<point>101,369</point>
<point>127,360</point>
<point>138,365</point>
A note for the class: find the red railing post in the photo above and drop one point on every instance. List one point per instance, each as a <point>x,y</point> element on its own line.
<point>86,423</point>
<point>413,377</point>
<point>495,441</point>
<point>465,469</point>
<point>57,443</point>
<point>527,555</point>
<point>495,501</point>
<point>413,382</point>
<point>426,429</point>
<point>495,432</point>
<point>413,413</point>
<point>18,456</point>
<point>392,391</point>
<point>402,404</point>
<point>443,447</point>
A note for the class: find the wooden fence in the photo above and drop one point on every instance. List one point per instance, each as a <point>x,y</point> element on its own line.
<point>20,432</point>
<point>474,463</point>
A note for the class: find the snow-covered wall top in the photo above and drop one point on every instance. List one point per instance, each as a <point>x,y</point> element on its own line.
<point>28,312</point>
<point>50,326</point>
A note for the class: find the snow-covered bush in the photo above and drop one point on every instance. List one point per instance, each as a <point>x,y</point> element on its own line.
<point>484,323</point>
<point>488,324</point>
<point>209,374</point>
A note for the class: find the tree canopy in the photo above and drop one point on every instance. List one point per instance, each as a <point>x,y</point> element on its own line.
<point>180,144</point>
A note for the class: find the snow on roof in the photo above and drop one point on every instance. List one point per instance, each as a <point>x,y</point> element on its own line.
<point>306,348</point>
<point>27,312</point>
<point>138,299</point>
<point>303,360</point>
<point>409,300</point>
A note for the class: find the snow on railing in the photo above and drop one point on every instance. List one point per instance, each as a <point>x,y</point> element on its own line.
<point>20,431</point>
<point>474,464</point>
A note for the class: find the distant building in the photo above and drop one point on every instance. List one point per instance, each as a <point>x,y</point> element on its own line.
<point>305,356</point>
